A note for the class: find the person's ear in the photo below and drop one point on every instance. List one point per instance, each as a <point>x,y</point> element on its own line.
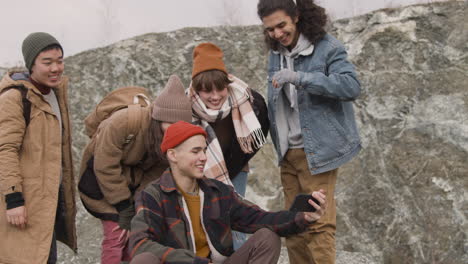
<point>172,155</point>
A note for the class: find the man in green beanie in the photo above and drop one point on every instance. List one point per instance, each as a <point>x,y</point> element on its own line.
<point>36,175</point>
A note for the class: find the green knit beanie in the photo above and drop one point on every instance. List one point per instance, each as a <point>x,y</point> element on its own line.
<point>34,44</point>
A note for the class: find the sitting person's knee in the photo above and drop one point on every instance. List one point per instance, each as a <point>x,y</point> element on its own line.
<point>266,235</point>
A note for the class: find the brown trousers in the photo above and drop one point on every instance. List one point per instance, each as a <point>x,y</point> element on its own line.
<point>317,243</point>
<point>263,247</point>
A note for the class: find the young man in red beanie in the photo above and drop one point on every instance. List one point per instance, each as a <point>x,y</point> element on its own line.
<point>184,217</point>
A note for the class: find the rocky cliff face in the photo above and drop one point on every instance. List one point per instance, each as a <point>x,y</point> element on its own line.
<point>403,199</point>
<point>3,71</point>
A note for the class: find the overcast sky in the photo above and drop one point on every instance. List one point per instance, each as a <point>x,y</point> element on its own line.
<point>84,24</point>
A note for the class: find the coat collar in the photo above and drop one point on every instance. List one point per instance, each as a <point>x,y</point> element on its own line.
<point>168,184</point>
<point>33,95</point>
<point>303,48</point>
<point>22,78</point>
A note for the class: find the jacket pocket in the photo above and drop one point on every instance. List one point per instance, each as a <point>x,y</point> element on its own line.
<point>337,133</point>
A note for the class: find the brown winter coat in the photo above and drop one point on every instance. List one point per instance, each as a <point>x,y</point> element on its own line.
<point>119,167</point>
<point>32,160</point>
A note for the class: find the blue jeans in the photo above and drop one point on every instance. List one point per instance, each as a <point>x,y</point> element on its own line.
<point>240,185</point>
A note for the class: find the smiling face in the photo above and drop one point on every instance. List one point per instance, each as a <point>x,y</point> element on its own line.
<point>215,98</point>
<point>212,87</point>
<point>48,68</point>
<point>189,158</point>
<point>282,28</point>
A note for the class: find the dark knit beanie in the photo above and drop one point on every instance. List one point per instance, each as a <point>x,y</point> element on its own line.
<point>207,56</point>
<point>172,104</point>
<point>34,44</point>
<point>178,132</point>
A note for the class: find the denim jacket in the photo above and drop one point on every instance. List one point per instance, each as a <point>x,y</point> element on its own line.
<point>326,86</point>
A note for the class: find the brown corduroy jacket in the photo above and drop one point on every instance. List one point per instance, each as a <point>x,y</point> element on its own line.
<point>121,168</point>
<point>33,160</point>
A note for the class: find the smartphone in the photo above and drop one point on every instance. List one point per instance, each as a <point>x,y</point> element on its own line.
<point>301,203</point>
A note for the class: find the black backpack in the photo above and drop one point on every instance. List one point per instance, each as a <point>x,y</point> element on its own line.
<point>26,102</point>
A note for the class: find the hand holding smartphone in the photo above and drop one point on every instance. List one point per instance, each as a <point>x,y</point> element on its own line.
<point>301,203</point>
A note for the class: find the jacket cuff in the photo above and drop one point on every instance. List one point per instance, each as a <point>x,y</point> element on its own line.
<point>297,80</point>
<point>300,80</point>
<point>120,206</point>
<point>14,200</point>
<point>301,222</point>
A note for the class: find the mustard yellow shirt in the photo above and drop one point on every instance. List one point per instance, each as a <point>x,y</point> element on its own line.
<point>194,205</point>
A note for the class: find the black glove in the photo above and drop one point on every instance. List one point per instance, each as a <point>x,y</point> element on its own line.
<point>125,214</point>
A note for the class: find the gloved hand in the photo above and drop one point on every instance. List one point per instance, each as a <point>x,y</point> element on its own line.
<point>125,217</point>
<point>284,76</point>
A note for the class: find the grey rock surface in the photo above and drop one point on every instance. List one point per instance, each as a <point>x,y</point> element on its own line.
<point>404,198</point>
<point>3,71</point>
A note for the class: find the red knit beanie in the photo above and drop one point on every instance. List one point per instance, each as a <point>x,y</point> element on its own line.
<point>207,56</point>
<point>178,132</point>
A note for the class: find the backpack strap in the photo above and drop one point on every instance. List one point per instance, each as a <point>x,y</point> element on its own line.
<point>25,101</point>
<point>134,121</point>
<point>134,116</point>
<point>141,97</point>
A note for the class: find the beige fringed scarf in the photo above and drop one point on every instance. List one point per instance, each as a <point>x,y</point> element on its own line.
<point>246,125</point>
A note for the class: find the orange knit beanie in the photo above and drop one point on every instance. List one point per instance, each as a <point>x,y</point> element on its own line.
<point>178,132</point>
<point>207,56</point>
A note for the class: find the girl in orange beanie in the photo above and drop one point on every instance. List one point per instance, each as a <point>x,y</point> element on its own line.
<point>233,115</point>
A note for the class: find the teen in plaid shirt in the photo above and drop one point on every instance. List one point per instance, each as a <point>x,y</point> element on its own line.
<point>183,217</point>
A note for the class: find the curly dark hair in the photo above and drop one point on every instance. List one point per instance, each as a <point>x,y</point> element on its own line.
<point>311,18</point>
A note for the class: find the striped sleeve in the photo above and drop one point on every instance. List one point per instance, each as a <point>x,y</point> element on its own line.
<point>247,217</point>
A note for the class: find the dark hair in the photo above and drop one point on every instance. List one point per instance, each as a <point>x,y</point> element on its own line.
<point>205,81</point>
<point>311,18</point>
<point>154,138</point>
<point>52,47</point>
